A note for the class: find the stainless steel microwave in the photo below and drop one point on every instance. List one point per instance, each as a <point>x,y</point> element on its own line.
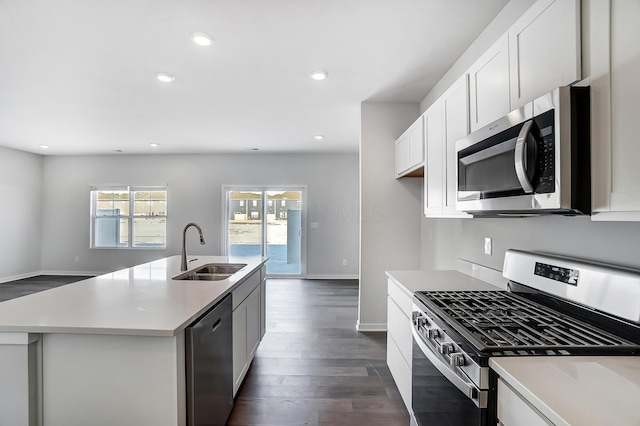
<point>535,160</point>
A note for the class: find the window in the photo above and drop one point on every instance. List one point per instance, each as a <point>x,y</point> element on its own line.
<point>128,217</point>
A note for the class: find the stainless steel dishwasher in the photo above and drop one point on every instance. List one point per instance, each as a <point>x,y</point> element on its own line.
<point>209,362</point>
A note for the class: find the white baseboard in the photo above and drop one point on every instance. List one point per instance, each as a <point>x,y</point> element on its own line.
<point>332,277</point>
<point>371,327</point>
<point>18,277</point>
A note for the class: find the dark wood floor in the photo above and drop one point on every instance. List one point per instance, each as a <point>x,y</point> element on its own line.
<point>23,287</point>
<point>313,367</point>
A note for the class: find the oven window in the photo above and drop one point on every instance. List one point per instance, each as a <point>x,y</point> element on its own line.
<point>435,400</point>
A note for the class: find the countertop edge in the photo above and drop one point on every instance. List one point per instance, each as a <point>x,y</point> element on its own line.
<point>254,264</point>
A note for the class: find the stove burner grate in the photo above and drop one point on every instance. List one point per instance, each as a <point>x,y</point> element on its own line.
<point>499,320</point>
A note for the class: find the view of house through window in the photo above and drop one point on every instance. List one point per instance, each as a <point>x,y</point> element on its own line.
<point>268,222</point>
<point>128,217</point>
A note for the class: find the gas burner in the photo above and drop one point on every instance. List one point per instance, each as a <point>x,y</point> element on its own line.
<point>500,320</point>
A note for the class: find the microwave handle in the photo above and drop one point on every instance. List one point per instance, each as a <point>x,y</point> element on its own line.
<point>520,151</point>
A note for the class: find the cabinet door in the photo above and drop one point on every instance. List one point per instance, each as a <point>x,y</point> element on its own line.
<point>544,49</point>
<point>615,66</point>
<point>263,308</point>
<point>402,154</point>
<point>489,97</point>
<point>434,170</point>
<point>239,345</point>
<point>253,322</point>
<point>416,144</point>
<point>455,107</point>
<point>410,150</point>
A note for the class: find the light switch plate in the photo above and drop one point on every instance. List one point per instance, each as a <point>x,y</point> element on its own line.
<point>487,246</point>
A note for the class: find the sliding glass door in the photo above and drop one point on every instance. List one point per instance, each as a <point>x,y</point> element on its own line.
<point>267,221</point>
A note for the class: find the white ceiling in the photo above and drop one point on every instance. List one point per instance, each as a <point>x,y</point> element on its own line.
<point>78,75</point>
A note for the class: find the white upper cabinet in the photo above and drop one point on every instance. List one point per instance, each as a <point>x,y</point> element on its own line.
<point>447,121</point>
<point>489,85</point>
<point>434,183</point>
<point>615,92</point>
<point>410,151</point>
<point>544,49</point>
<point>455,107</point>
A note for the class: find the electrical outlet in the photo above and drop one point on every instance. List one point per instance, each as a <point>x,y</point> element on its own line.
<point>487,246</point>
<point>344,262</point>
<point>76,259</point>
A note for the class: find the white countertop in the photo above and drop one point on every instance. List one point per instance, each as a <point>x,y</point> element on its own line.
<point>142,300</point>
<point>442,280</point>
<point>572,390</point>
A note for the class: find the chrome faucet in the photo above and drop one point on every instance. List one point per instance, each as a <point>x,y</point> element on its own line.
<point>183,264</point>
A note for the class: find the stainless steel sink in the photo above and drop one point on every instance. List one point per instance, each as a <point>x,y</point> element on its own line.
<point>211,272</point>
<point>193,276</point>
<point>220,268</point>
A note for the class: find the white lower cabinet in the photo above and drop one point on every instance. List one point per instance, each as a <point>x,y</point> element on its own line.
<point>399,339</point>
<point>514,410</point>
<point>248,324</point>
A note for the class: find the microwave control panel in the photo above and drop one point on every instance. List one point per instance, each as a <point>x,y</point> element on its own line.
<point>546,154</point>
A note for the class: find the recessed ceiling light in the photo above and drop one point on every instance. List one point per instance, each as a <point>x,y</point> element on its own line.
<point>202,39</point>
<point>319,137</point>
<point>154,145</point>
<point>165,77</point>
<point>319,75</point>
<point>44,146</point>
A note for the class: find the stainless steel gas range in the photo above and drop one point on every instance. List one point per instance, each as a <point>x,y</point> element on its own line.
<point>554,306</point>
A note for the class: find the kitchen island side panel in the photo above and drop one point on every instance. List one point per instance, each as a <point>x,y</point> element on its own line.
<point>113,380</point>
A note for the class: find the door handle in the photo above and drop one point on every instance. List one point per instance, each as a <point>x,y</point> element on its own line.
<point>520,152</point>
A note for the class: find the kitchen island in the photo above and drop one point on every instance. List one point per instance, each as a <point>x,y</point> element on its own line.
<point>110,349</point>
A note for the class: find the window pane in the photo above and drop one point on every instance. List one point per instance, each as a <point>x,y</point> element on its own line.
<point>111,232</point>
<point>112,203</point>
<point>150,203</point>
<point>150,232</point>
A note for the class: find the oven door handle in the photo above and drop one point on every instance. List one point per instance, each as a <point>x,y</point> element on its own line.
<point>520,152</point>
<point>467,388</point>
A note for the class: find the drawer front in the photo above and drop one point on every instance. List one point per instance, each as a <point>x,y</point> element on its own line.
<point>400,371</point>
<point>513,410</point>
<point>399,326</point>
<point>243,290</point>
<point>402,299</point>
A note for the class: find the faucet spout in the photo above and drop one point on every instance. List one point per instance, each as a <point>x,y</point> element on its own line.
<point>183,263</point>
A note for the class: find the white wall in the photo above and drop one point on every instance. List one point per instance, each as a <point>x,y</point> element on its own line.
<point>20,209</point>
<point>390,222</point>
<point>194,194</point>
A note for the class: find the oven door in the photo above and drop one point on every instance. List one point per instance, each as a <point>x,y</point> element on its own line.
<point>440,395</point>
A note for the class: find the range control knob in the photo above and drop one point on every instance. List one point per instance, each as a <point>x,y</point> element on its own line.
<point>432,333</point>
<point>447,348</point>
<point>457,360</point>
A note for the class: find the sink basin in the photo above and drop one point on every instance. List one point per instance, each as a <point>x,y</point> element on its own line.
<point>211,272</point>
<point>192,276</point>
<point>220,268</point>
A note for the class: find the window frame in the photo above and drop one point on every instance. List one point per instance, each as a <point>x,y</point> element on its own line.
<point>130,217</point>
